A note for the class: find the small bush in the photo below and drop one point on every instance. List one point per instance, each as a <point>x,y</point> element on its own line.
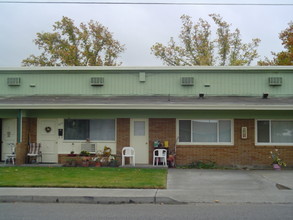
<point>208,165</point>
<point>201,165</point>
<point>84,153</point>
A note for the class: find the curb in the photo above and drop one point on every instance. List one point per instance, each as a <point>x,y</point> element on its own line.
<point>89,200</point>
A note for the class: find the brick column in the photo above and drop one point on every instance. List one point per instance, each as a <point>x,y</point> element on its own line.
<point>245,148</point>
<point>29,133</point>
<point>123,134</point>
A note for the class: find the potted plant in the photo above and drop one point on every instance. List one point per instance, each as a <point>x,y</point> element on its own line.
<point>277,161</point>
<point>84,153</point>
<point>71,154</point>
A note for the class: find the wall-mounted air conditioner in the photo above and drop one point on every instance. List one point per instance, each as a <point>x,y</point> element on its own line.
<point>90,147</point>
<point>275,81</point>
<point>13,81</point>
<point>97,81</point>
<point>187,81</point>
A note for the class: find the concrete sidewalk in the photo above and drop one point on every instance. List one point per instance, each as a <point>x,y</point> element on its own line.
<point>229,186</point>
<point>184,186</point>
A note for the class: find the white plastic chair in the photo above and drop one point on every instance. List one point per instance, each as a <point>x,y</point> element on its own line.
<point>11,156</point>
<point>128,152</point>
<point>34,151</point>
<point>160,154</point>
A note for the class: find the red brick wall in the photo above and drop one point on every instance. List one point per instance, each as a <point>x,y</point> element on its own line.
<point>29,129</point>
<point>123,134</point>
<point>163,129</point>
<point>159,129</point>
<point>244,152</point>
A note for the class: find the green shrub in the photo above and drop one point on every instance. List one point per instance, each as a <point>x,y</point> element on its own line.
<point>201,165</point>
<point>84,153</point>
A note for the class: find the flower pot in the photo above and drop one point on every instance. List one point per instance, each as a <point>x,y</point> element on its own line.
<point>276,167</point>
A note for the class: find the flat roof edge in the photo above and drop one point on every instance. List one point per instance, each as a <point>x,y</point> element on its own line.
<point>147,107</point>
<point>145,68</point>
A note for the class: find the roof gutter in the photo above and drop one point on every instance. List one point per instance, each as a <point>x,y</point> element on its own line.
<point>147,107</point>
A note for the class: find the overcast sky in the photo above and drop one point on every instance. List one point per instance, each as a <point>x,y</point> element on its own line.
<point>138,26</point>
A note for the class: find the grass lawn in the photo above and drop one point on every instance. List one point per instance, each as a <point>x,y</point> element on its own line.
<point>83,177</point>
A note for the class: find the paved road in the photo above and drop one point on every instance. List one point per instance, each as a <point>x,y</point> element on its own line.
<point>33,211</point>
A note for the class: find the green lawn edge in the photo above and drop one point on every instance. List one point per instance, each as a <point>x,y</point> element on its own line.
<point>83,177</point>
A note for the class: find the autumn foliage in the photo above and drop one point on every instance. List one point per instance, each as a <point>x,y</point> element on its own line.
<point>89,44</point>
<point>198,47</point>
<point>283,57</point>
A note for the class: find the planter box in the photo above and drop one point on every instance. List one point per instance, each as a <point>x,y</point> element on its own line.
<point>72,160</point>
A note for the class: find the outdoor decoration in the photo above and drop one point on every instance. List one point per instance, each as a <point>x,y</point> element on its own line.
<point>171,160</point>
<point>96,162</point>
<point>104,156</point>
<point>277,161</point>
<point>48,129</point>
<point>86,159</point>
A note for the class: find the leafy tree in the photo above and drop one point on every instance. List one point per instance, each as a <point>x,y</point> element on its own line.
<point>283,57</point>
<point>198,48</point>
<point>89,45</point>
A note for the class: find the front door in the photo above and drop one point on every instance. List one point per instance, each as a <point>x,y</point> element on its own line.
<point>47,135</point>
<point>139,138</point>
<point>9,136</point>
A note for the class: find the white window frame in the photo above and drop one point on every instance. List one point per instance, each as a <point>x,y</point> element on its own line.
<point>270,136</point>
<point>92,141</point>
<point>206,143</point>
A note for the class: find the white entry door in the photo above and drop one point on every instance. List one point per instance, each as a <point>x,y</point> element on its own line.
<point>47,135</point>
<point>139,140</point>
<point>9,136</point>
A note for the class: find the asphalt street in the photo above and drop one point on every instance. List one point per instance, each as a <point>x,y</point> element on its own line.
<point>33,211</point>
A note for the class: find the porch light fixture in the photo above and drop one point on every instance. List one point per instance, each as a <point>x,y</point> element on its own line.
<point>201,95</point>
<point>265,95</point>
